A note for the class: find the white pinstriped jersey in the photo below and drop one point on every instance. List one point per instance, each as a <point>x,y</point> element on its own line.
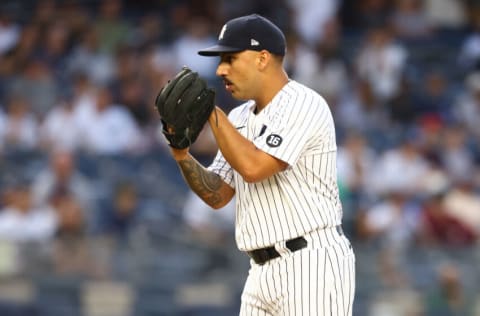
<point>296,127</point>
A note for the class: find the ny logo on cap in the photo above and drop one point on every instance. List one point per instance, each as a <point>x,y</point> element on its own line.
<point>222,32</point>
<point>254,42</point>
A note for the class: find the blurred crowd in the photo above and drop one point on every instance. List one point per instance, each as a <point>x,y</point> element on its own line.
<point>79,77</point>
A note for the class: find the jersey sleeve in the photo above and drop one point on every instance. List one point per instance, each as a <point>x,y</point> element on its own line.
<point>294,126</point>
<point>221,167</point>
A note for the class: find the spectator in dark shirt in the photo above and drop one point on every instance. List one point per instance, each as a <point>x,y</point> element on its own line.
<point>121,213</point>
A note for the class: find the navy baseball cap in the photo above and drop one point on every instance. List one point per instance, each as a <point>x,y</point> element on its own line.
<point>250,32</point>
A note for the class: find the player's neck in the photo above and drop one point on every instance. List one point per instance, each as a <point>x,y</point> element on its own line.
<point>270,89</point>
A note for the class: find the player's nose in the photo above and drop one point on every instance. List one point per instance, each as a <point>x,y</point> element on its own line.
<point>221,70</point>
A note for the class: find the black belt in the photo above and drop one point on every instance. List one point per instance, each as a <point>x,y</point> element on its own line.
<point>261,256</point>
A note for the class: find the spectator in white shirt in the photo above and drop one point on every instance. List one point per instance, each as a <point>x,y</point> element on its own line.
<point>402,169</point>
<point>310,18</point>
<point>457,158</point>
<point>62,176</point>
<point>206,224</point>
<point>20,130</point>
<point>469,52</point>
<point>355,161</point>
<point>196,37</point>
<point>20,221</point>
<point>409,19</point>
<point>88,57</point>
<point>9,33</point>
<point>59,129</point>
<point>382,62</point>
<point>391,221</point>
<point>111,129</point>
<point>466,109</point>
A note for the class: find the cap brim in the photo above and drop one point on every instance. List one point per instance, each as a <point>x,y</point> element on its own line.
<point>217,50</point>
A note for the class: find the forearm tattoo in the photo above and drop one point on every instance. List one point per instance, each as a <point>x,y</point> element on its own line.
<point>204,183</point>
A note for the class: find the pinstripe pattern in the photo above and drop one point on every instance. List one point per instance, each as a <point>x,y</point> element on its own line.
<point>315,281</point>
<point>304,197</point>
<point>296,127</point>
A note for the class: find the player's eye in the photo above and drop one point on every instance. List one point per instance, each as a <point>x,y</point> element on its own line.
<point>227,58</point>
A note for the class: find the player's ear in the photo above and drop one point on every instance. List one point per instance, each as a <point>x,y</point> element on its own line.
<point>263,59</point>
